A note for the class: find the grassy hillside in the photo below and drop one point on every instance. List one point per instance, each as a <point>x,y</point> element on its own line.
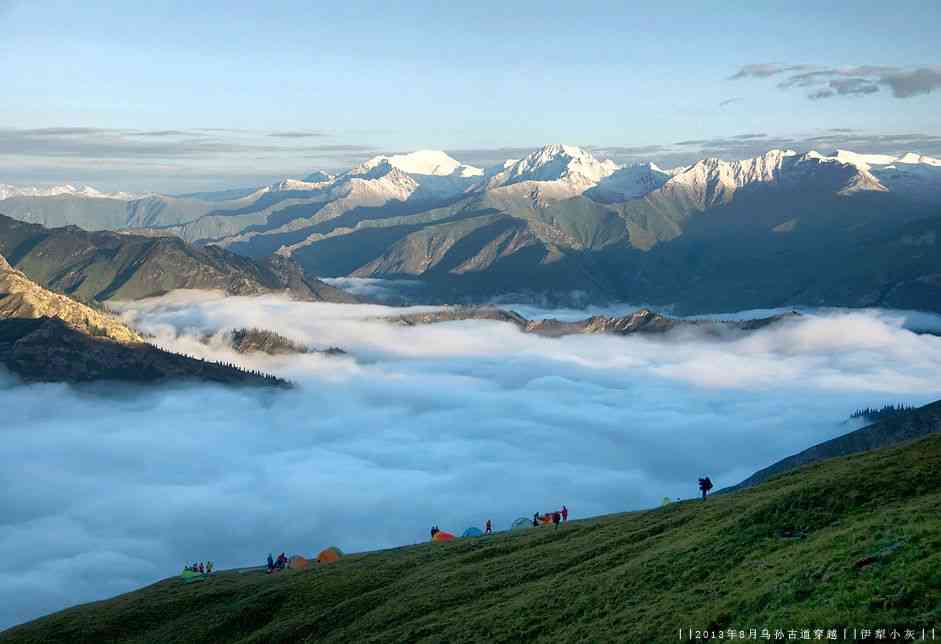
<point>852,542</point>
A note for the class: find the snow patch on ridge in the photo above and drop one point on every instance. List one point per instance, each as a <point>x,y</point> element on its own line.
<point>8,191</point>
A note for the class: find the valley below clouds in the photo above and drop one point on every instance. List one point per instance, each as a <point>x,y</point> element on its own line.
<point>109,487</point>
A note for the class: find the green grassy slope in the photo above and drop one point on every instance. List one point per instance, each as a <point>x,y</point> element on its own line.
<point>787,554</point>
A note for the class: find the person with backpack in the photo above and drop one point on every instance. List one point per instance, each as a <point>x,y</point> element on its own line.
<point>565,513</point>
<point>705,484</point>
<point>488,527</point>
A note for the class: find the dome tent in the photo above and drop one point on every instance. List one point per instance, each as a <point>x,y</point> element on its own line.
<point>329,555</point>
<point>473,532</point>
<point>443,536</point>
<point>297,562</point>
<point>522,523</point>
<point>189,576</point>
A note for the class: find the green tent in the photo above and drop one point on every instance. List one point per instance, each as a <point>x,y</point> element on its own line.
<point>188,576</point>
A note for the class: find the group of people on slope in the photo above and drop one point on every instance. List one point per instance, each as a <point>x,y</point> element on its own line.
<point>556,517</point>
<point>277,564</point>
<point>199,567</point>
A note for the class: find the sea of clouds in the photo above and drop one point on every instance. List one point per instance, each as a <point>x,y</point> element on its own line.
<point>106,488</point>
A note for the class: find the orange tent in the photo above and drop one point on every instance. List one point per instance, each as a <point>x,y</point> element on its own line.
<point>298,562</point>
<point>443,536</point>
<point>329,555</point>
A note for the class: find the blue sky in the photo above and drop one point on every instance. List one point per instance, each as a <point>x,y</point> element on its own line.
<point>358,78</point>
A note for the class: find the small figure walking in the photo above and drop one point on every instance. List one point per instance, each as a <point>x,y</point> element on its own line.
<point>565,513</point>
<point>488,528</point>
<point>556,518</point>
<point>705,484</point>
<point>270,562</point>
<point>535,519</point>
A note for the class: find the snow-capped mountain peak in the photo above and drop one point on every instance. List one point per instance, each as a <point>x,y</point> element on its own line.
<point>630,182</point>
<point>733,174</point>
<point>564,171</point>
<point>8,191</point>
<point>297,185</point>
<point>425,162</point>
<point>714,181</point>
<point>867,161</point>
<point>911,174</point>
<point>318,176</point>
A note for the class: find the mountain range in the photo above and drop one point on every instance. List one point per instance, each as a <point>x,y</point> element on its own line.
<point>780,229</point>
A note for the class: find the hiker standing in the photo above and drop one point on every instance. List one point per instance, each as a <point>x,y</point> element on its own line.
<point>565,513</point>
<point>488,528</point>
<point>705,484</point>
<point>556,518</point>
<point>270,562</point>
<point>535,519</point>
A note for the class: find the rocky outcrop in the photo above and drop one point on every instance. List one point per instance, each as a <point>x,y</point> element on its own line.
<point>643,321</point>
<point>263,341</point>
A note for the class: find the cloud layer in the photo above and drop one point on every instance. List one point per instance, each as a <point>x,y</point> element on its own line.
<point>827,82</point>
<point>106,488</point>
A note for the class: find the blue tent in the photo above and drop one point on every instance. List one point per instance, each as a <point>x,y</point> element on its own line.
<point>473,532</point>
<point>522,523</point>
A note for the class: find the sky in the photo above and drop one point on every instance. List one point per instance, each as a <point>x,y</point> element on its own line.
<point>203,95</point>
<point>114,487</point>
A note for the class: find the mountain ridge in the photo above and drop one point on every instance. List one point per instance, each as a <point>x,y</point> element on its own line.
<point>561,221</point>
<point>48,337</point>
<point>106,265</point>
